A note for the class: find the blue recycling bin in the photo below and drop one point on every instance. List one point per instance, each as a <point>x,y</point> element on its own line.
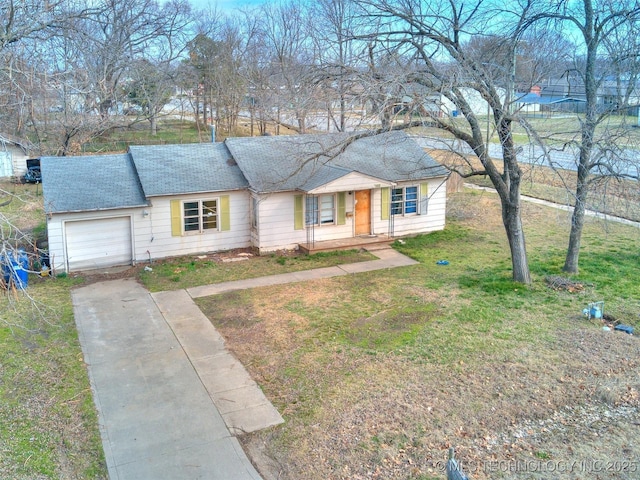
<point>15,266</point>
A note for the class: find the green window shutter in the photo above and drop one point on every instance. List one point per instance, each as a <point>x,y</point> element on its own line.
<point>225,214</point>
<point>176,218</point>
<point>385,194</point>
<point>342,208</point>
<point>298,212</point>
<point>424,198</point>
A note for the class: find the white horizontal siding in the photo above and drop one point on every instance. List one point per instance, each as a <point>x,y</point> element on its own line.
<point>14,161</point>
<point>414,223</point>
<point>55,240</point>
<point>19,160</point>
<point>276,223</point>
<point>276,218</point>
<point>153,238</point>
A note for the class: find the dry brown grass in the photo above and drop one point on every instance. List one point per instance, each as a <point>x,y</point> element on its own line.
<point>542,389</point>
<point>608,195</point>
<point>385,416</point>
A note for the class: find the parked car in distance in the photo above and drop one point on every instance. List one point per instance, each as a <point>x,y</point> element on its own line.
<point>33,174</point>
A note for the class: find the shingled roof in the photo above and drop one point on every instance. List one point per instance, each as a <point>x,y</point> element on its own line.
<point>264,164</point>
<point>284,163</point>
<point>97,182</point>
<point>187,168</point>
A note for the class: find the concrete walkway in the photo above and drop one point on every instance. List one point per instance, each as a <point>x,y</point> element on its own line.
<point>169,395</point>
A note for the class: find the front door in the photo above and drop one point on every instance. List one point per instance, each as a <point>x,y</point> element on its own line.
<point>363,212</point>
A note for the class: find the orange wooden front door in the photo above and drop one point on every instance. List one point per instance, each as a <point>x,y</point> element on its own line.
<point>363,212</point>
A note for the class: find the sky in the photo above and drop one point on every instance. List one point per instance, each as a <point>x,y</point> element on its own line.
<point>224,5</point>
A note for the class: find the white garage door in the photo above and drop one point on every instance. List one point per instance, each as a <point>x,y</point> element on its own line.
<point>98,243</point>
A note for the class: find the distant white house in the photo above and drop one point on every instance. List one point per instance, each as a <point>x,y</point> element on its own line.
<point>270,193</point>
<point>13,156</point>
<point>428,101</point>
<point>478,105</point>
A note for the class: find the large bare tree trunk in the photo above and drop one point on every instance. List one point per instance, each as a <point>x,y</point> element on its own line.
<point>577,218</point>
<point>586,145</point>
<point>154,124</point>
<point>515,235</point>
<point>607,29</point>
<point>508,188</point>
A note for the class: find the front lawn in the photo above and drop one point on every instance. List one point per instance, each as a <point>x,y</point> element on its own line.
<point>48,421</point>
<point>195,270</point>
<point>378,374</point>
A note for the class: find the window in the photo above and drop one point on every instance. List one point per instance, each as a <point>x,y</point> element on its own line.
<point>200,215</point>
<point>320,210</point>
<point>404,200</point>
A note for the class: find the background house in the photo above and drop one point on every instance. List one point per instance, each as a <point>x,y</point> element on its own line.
<point>14,153</point>
<point>270,193</point>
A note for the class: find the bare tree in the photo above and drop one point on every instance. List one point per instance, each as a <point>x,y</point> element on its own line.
<point>68,89</point>
<point>20,20</point>
<point>150,87</point>
<point>608,70</point>
<point>256,72</point>
<point>106,44</point>
<point>337,54</point>
<point>200,74</point>
<point>436,37</point>
<point>284,30</point>
<point>24,26</point>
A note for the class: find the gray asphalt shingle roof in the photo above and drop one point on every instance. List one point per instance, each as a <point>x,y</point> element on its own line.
<point>188,168</point>
<point>303,162</point>
<point>266,164</point>
<point>97,182</point>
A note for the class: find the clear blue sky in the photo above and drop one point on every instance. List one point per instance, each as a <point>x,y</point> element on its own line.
<point>223,5</point>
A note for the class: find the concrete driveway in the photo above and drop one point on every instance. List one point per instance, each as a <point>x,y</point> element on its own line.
<point>158,417</point>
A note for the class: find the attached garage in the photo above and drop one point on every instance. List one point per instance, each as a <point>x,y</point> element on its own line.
<point>98,243</point>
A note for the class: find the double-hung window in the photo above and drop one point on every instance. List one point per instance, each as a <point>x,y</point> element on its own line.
<point>200,215</point>
<point>404,200</point>
<point>320,210</point>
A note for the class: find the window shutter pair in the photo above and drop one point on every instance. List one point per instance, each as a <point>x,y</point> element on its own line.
<point>298,210</point>
<point>176,215</point>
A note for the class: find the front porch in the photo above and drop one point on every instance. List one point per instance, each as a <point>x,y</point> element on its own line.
<point>351,243</point>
